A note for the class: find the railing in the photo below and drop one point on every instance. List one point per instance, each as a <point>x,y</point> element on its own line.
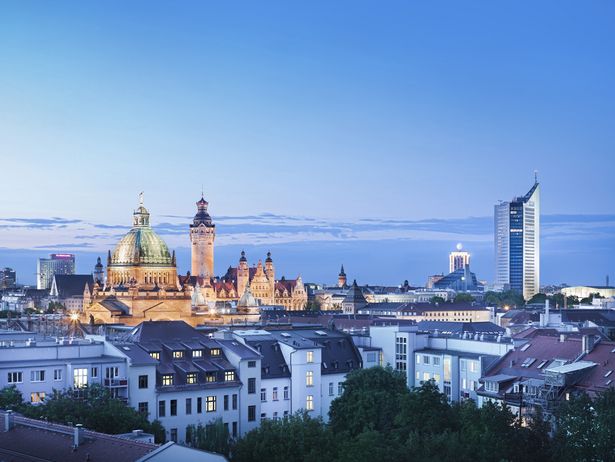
<point>117,382</point>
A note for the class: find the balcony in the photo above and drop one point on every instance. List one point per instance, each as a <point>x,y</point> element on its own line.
<point>116,382</point>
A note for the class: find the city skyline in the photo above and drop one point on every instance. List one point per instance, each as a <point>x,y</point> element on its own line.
<point>341,129</point>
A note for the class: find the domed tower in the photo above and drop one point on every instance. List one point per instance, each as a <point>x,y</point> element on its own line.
<point>99,272</point>
<point>202,236</point>
<point>341,278</point>
<point>270,271</point>
<point>243,274</point>
<point>141,257</point>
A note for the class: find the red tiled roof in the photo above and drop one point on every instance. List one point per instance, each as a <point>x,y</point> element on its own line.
<point>603,354</point>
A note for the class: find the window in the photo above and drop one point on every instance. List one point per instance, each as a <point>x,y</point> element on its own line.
<point>251,413</point>
<point>234,401</point>
<point>426,377</point>
<point>462,365</point>
<point>215,351</point>
<point>229,376</point>
<point>210,404</point>
<point>143,381</point>
<point>94,372</point>
<point>285,392</point>
<point>173,407</point>
<point>251,363</point>
<point>178,354</point>
<point>263,395</point>
<point>340,388</point>
<point>251,386</point>
<point>167,380</point>
<point>263,416</point>
<point>191,377</point>
<point>418,359</point>
<point>15,377</point>
<point>57,374</point>
<point>274,394</point>
<point>188,406</point>
<point>310,356</point>
<point>330,388</point>
<point>199,405</point>
<point>436,378</point>
<point>162,408</point>
<point>144,408</point>
<point>425,359</point>
<point>401,353</point>
<point>309,403</point>
<point>492,387</point>
<point>464,384</point>
<point>226,402</point>
<point>197,353</point>
<point>234,429</point>
<point>275,416</point>
<point>155,355</point>
<point>37,376</point>
<point>80,378</point>
<point>436,360</point>
<point>210,377</point>
<point>309,379</point>
<point>174,435</point>
<point>37,397</point>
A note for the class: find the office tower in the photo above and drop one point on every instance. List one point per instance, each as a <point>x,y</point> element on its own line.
<point>517,243</point>
<point>458,259</point>
<point>57,263</point>
<point>8,279</point>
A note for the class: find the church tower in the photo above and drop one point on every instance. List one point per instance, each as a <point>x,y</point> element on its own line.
<point>270,272</point>
<point>202,236</point>
<point>341,279</point>
<point>243,274</point>
<point>99,273</point>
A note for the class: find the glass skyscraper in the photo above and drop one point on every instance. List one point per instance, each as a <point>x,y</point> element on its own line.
<point>517,243</point>
<point>57,263</point>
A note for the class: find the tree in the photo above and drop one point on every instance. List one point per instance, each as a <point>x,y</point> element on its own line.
<point>213,437</point>
<point>96,409</point>
<point>297,438</point>
<point>10,398</point>
<point>370,401</point>
<point>437,300</point>
<point>463,298</point>
<point>538,298</point>
<point>425,410</point>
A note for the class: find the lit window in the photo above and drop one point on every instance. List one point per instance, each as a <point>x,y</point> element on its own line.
<point>37,397</point>
<point>167,379</point>
<point>191,377</point>
<point>229,376</point>
<point>210,377</point>
<point>210,404</point>
<point>80,378</point>
<point>426,376</point>
<point>215,351</point>
<point>310,356</point>
<point>309,378</point>
<point>155,355</point>
<point>197,353</point>
<point>178,354</point>
<point>309,403</point>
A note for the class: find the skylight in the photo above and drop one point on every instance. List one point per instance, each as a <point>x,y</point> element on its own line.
<point>608,373</point>
<point>526,346</point>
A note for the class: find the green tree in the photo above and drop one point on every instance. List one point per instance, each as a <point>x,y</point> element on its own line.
<point>425,410</point>
<point>437,300</point>
<point>213,437</point>
<point>96,409</point>
<point>370,401</point>
<point>10,398</point>
<point>538,298</point>
<point>463,298</point>
<point>297,438</point>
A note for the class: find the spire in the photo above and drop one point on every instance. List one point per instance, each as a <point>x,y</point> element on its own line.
<point>535,176</point>
<point>342,273</point>
<point>140,217</point>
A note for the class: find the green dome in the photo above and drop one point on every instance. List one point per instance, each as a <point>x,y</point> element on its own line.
<point>141,246</point>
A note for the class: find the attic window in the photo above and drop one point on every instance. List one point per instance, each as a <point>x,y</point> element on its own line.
<point>608,382</point>
<point>155,354</point>
<point>608,373</point>
<point>542,364</point>
<point>178,354</point>
<point>215,351</point>
<point>197,353</point>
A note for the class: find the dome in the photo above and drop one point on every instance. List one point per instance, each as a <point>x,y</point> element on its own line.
<point>141,246</point>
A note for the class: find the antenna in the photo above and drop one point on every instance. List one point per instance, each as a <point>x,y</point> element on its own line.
<point>141,198</point>
<point>535,176</point>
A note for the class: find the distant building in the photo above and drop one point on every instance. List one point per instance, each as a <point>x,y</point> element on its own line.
<point>458,259</point>
<point>585,291</point>
<point>517,243</point>
<point>68,289</point>
<point>460,280</point>
<point>448,312</point>
<point>354,300</point>
<point>57,263</point>
<point>8,278</point>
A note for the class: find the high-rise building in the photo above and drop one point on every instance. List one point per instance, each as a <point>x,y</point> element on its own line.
<point>57,263</point>
<point>517,243</point>
<point>458,259</point>
<point>8,279</point>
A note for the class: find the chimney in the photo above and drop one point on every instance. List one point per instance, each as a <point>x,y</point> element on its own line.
<point>8,420</point>
<point>587,343</point>
<point>77,435</point>
<point>562,338</point>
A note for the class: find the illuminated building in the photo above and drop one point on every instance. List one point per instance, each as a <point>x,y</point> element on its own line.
<point>57,263</point>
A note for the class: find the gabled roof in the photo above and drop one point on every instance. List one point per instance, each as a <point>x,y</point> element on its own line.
<point>72,285</point>
<point>354,295</point>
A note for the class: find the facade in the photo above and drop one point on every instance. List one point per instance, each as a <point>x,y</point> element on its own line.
<point>460,280</point>
<point>585,291</point>
<point>57,263</point>
<point>38,365</point>
<point>517,243</point>
<point>8,278</point>
<point>446,312</point>
<point>458,259</point>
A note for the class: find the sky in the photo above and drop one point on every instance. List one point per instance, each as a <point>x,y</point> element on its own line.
<point>374,134</point>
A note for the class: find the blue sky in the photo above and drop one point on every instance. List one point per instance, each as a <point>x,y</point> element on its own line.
<point>329,113</point>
